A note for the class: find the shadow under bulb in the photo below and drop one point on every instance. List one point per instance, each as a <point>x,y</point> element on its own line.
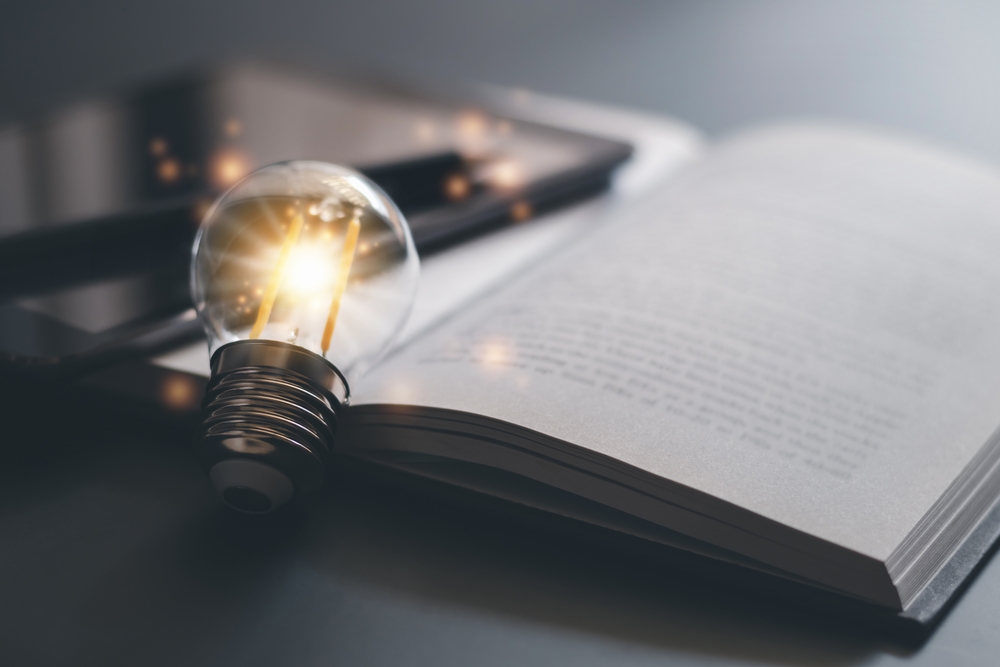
<point>303,273</point>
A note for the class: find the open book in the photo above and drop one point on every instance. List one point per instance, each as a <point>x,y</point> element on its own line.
<point>790,353</point>
<point>785,357</point>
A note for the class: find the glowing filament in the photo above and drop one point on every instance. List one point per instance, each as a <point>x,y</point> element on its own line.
<point>271,293</point>
<point>346,259</point>
<point>309,270</point>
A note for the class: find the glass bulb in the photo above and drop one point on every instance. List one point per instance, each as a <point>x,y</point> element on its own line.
<point>307,253</point>
<point>303,273</point>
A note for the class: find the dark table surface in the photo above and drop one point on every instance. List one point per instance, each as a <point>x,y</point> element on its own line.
<point>113,549</point>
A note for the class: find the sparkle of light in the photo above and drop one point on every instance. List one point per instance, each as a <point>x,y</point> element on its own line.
<point>471,124</point>
<point>456,187</point>
<point>227,167</point>
<point>179,392</point>
<point>158,146</point>
<point>506,175</point>
<point>169,170</point>
<point>496,354</point>
<point>520,211</point>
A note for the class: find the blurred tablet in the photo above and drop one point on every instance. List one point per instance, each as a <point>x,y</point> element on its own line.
<point>99,201</point>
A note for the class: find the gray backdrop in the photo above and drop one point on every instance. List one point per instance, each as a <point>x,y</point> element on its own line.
<point>111,547</point>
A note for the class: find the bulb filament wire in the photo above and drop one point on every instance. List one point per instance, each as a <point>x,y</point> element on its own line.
<point>346,260</point>
<point>271,292</point>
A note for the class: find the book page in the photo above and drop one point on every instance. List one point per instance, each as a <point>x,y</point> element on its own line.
<point>805,324</point>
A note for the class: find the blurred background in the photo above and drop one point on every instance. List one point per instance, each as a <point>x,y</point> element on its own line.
<point>119,545</point>
<point>927,67</point>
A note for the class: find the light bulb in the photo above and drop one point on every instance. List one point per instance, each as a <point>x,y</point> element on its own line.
<point>302,274</point>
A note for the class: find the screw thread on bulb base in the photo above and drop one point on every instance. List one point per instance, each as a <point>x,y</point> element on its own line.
<point>268,424</point>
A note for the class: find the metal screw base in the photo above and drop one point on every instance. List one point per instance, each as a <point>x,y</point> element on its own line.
<point>269,420</point>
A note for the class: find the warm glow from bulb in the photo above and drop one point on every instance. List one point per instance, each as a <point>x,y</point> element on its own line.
<point>302,254</point>
<point>304,270</point>
<point>308,270</point>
